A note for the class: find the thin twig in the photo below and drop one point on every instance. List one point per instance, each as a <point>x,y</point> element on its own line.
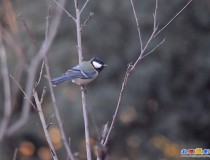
<point>138,26</point>
<point>68,14</point>
<point>84,105</point>
<point>57,115</point>
<point>158,45</point>
<point>24,93</point>
<point>28,30</point>
<point>87,20</point>
<point>44,125</point>
<point>50,121</point>
<point>85,116</point>
<point>172,18</point>
<point>15,154</point>
<point>7,90</point>
<point>40,75</point>
<point>118,103</point>
<point>85,4</point>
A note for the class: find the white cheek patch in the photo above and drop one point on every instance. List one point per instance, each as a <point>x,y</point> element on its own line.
<point>97,65</point>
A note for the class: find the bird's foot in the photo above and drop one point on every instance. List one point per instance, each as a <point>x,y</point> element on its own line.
<point>83,89</point>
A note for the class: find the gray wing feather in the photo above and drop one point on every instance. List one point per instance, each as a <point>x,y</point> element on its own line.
<point>77,73</point>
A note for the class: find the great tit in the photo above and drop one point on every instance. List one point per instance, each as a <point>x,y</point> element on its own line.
<point>83,73</point>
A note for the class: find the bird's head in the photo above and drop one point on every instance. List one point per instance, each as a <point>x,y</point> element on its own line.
<point>98,64</point>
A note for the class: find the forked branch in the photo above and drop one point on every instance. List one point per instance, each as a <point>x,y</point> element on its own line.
<point>142,54</point>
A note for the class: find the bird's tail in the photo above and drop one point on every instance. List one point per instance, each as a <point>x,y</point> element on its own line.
<point>58,80</point>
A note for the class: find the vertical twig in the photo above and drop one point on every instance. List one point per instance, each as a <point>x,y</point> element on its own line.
<point>7,92</point>
<point>84,105</point>
<point>85,116</point>
<point>79,27</point>
<point>44,125</point>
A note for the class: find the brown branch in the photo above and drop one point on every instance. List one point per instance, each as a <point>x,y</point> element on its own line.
<point>7,91</point>
<point>44,125</point>
<point>33,68</point>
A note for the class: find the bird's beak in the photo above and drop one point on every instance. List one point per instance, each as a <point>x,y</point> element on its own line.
<point>105,65</point>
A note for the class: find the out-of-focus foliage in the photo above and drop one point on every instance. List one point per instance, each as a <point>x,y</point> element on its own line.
<point>166,104</point>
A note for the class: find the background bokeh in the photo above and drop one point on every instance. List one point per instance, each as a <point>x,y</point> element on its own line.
<point>166,106</point>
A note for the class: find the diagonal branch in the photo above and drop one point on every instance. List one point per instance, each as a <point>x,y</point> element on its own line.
<point>68,14</point>
<point>128,72</point>
<point>44,125</point>
<point>85,4</point>
<point>172,18</point>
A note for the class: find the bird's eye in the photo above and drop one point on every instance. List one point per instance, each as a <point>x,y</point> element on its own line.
<point>96,64</point>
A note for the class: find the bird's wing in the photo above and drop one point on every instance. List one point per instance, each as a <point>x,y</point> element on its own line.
<point>77,73</point>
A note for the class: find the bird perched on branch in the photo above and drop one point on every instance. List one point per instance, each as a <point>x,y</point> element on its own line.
<point>83,73</point>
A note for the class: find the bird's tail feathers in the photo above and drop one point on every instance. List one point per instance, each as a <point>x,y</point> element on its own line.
<point>58,80</point>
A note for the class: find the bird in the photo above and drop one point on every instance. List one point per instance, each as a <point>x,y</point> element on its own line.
<point>82,74</point>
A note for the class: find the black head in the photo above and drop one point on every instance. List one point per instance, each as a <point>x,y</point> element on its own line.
<point>97,63</point>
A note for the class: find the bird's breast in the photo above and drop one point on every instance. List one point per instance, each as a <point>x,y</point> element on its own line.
<point>80,81</point>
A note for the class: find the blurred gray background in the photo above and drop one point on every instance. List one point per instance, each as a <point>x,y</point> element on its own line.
<point>166,105</point>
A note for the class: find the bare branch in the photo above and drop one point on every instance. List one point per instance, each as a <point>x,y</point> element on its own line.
<point>15,154</point>
<point>55,107</point>
<point>28,30</point>
<point>172,18</point>
<point>44,125</point>
<point>40,75</point>
<point>87,20</point>
<point>57,115</point>
<point>138,26</point>
<point>85,4</point>
<point>68,14</point>
<point>85,116</point>
<point>141,56</point>
<point>24,93</point>
<point>7,90</point>
<point>84,105</point>
<point>118,103</point>
<point>153,48</point>
<point>50,121</point>
<point>43,94</point>
<point>33,68</point>
<point>104,133</point>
